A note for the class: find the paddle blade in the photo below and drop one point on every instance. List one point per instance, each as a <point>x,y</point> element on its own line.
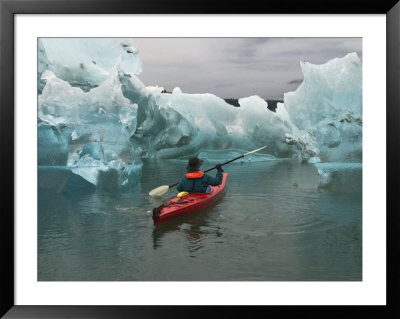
<point>159,191</point>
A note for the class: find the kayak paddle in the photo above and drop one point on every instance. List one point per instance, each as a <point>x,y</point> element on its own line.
<point>161,190</point>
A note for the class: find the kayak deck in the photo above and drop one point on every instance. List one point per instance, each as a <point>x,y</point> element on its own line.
<point>180,206</point>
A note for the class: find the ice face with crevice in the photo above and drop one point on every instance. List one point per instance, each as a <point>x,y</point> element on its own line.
<point>180,124</point>
<point>177,125</point>
<point>90,131</point>
<point>275,129</point>
<point>102,131</point>
<point>328,105</point>
<point>86,62</point>
<point>60,102</point>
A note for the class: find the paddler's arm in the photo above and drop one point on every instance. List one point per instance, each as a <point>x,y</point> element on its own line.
<point>217,180</point>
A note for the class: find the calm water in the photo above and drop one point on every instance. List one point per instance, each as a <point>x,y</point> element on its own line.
<point>271,224</point>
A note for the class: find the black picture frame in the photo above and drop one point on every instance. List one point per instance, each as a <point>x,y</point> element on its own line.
<point>8,10</point>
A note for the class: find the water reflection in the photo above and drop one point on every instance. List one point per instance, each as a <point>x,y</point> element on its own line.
<point>262,228</point>
<point>155,201</point>
<point>193,226</point>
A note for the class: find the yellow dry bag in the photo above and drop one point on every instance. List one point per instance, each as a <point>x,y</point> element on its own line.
<point>182,194</point>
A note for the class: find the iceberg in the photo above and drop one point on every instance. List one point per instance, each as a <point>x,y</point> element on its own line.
<point>328,105</point>
<point>344,177</point>
<point>178,125</point>
<point>86,62</point>
<point>154,89</point>
<point>101,121</point>
<point>52,146</point>
<point>177,90</point>
<point>90,131</point>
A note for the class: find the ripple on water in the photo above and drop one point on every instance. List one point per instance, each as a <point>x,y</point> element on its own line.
<point>262,228</point>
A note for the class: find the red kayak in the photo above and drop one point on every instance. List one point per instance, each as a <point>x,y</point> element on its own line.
<point>180,206</point>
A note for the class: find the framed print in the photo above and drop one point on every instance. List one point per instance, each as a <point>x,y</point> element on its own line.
<point>169,159</point>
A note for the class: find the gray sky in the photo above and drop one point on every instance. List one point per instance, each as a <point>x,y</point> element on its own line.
<point>235,67</point>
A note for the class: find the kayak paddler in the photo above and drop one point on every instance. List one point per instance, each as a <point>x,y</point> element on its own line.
<point>196,181</point>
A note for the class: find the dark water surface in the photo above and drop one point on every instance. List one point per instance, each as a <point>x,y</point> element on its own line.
<point>271,224</point>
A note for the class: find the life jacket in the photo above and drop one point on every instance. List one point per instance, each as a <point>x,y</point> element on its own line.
<point>196,174</point>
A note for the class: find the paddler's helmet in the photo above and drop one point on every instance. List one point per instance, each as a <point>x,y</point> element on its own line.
<point>194,164</point>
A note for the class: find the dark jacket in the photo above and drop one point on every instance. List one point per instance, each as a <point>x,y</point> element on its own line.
<point>197,182</point>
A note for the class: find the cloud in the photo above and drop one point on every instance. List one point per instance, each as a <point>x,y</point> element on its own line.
<point>236,67</point>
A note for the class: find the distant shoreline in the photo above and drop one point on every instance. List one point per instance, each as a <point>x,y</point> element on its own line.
<point>272,104</point>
